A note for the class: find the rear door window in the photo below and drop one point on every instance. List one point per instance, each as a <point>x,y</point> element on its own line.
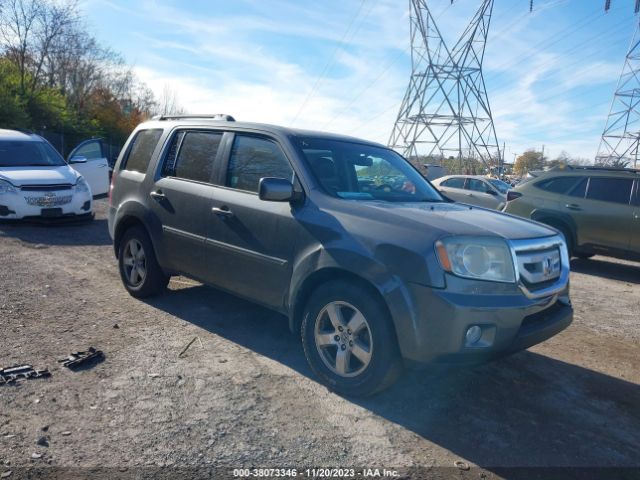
<point>560,185</point>
<point>477,185</point>
<point>614,190</point>
<point>253,158</point>
<point>192,155</point>
<point>580,189</point>
<point>141,149</point>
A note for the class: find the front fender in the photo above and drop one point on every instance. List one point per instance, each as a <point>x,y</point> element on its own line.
<point>334,262</point>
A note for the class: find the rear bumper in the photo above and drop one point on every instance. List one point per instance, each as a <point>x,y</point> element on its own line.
<point>508,322</point>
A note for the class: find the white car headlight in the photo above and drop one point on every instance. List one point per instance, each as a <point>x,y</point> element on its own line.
<point>6,187</point>
<point>81,185</point>
<point>481,258</point>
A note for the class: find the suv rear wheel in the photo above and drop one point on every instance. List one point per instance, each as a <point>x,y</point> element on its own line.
<point>139,269</point>
<point>349,340</point>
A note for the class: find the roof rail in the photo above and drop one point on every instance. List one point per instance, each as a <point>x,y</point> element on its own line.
<point>602,168</point>
<point>214,116</point>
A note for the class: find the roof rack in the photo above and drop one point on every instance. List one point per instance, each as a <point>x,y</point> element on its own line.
<point>214,116</point>
<point>602,168</point>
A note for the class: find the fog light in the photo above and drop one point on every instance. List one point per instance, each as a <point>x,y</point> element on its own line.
<point>473,334</point>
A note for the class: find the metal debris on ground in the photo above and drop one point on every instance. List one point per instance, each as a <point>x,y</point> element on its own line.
<point>78,358</point>
<point>10,375</point>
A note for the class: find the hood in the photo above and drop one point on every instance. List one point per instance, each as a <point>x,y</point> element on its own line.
<point>20,176</point>
<point>444,219</point>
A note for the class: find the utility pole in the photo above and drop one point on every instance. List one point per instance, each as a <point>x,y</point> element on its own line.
<point>446,109</point>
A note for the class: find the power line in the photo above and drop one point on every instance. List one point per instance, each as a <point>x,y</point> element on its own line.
<point>329,64</point>
<point>388,66</point>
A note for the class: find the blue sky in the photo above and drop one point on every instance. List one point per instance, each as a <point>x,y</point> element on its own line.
<point>343,65</point>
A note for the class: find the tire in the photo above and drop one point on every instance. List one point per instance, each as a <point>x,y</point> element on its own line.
<point>148,279</point>
<point>371,361</point>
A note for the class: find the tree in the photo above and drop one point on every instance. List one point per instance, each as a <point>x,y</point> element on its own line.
<point>29,29</point>
<point>55,76</point>
<point>528,161</point>
<point>168,103</point>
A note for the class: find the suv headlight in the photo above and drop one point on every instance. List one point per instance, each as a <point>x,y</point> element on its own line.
<point>6,187</point>
<point>81,185</point>
<point>480,258</point>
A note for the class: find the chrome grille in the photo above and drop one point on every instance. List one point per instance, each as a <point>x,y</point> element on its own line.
<point>542,265</point>
<point>49,200</point>
<point>45,188</point>
<point>539,266</point>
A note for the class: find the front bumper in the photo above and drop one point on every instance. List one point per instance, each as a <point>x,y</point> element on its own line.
<point>15,206</point>
<point>509,323</point>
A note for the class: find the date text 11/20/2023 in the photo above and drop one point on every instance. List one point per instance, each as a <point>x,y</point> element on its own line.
<point>316,472</point>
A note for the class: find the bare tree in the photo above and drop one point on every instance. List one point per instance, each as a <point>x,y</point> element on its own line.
<point>168,103</point>
<point>29,29</point>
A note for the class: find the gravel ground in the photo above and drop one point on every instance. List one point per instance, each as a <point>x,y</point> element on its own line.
<point>243,396</point>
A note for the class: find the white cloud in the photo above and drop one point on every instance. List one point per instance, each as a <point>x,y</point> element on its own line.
<point>542,70</point>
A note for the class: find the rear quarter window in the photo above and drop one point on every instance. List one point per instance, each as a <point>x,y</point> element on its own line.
<point>141,149</point>
<point>614,190</point>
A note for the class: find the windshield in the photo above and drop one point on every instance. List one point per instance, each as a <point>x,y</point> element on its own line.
<point>17,153</point>
<point>499,185</point>
<point>355,171</point>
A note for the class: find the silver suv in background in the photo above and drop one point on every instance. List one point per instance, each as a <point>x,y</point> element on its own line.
<point>372,266</point>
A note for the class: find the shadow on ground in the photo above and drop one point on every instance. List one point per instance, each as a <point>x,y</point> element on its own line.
<point>600,267</point>
<point>67,233</point>
<point>526,410</point>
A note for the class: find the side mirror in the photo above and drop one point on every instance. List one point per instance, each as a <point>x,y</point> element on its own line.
<point>77,160</point>
<point>275,190</point>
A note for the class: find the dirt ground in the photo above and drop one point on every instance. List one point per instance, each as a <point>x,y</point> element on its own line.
<point>243,396</point>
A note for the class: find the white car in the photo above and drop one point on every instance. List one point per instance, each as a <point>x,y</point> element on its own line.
<point>474,189</point>
<point>36,182</point>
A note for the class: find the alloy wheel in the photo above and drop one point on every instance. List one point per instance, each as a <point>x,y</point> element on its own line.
<point>343,339</point>
<point>135,263</point>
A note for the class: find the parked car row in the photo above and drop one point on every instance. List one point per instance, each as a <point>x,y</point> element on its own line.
<point>596,208</point>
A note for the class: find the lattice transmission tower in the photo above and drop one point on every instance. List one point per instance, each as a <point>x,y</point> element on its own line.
<point>445,111</point>
<point>621,137</point>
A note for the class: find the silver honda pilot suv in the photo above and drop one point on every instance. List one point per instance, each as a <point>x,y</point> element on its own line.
<point>372,266</point>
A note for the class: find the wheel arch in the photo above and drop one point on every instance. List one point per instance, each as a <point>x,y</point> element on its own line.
<point>557,220</point>
<point>124,224</point>
<point>325,275</point>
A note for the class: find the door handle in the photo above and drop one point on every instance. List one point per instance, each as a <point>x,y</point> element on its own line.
<point>573,206</point>
<point>158,196</point>
<point>222,212</point>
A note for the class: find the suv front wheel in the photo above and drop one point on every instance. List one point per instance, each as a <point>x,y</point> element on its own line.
<point>139,269</point>
<point>349,340</point>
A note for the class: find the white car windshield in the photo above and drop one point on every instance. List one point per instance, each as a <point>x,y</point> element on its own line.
<point>19,153</point>
<point>356,171</point>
